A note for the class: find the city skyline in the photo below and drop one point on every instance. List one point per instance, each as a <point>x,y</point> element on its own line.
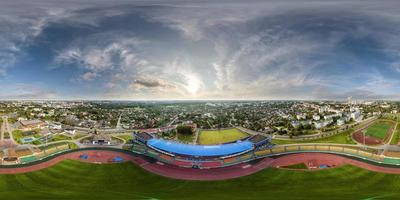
<point>178,50</point>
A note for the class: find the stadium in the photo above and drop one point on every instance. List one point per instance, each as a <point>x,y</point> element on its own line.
<point>201,156</point>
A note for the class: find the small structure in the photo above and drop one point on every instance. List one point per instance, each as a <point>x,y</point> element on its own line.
<point>55,126</point>
<point>70,131</point>
<point>101,139</point>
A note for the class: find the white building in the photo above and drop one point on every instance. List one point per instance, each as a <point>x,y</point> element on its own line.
<point>55,126</point>
<point>340,122</point>
<point>316,117</point>
<point>323,109</point>
<point>70,131</point>
<point>301,116</point>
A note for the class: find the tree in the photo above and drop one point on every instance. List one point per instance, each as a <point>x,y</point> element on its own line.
<point>186,130</point>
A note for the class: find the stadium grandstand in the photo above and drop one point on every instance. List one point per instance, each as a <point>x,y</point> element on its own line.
<point>200,156</point>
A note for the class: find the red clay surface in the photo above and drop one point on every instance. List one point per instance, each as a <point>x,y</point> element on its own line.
<point>312,160</point>
<point>359,137</point>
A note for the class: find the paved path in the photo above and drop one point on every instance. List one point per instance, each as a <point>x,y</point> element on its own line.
<point>6,128</point>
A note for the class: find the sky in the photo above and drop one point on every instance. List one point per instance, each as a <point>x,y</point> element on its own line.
<point>209,50</point>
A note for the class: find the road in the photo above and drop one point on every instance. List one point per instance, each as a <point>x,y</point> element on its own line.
<point>6,128</point>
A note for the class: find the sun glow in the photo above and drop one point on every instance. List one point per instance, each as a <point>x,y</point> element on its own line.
<point>193,84</point>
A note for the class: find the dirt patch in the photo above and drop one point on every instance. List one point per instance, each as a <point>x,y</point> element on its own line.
<point>392,153</point>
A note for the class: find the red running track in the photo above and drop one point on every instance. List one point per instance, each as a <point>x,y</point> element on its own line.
<point>244,169</point>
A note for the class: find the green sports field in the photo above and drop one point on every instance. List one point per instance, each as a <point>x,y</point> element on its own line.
<point>75,180</point>
<point>378,129</point>
<point>220,136</point>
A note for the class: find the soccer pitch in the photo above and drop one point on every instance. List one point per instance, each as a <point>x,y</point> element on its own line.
<point>378,130</point>
<point>208,137</point>
<point>75,180</point>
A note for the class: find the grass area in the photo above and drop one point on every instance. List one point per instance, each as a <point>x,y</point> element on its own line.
<point>75,180</point>
<point>185,138</point>
<point>220,136</point>
<point>126,137</point>
<point>341,138</point>
<point>396,136</point>
<point>59,137</point>
<point>18,135</point>
<point>78,135</point>
<point>45,147</point>
<point>296,166</point>
<point>72,145</point>
<point>378,129</point>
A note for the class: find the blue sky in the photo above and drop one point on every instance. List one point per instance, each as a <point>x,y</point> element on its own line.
<point>138,50</point>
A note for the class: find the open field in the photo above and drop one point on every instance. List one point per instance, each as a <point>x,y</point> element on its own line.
<point>207,137</point>
<point>378,129</point>
<point>341,138</point>
<point>75,180</point>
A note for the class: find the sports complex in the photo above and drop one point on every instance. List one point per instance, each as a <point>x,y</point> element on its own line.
<point>156,168</point>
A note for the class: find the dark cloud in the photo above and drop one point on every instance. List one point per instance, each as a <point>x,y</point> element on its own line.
<point>149,83</point>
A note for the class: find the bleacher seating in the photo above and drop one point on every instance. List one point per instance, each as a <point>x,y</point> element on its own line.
<point>230,160</point>
<point>142,137</point>
<point>166,157</point>
<point>182,163</point>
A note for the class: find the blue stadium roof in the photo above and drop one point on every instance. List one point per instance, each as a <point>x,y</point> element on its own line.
<point>200,150</point>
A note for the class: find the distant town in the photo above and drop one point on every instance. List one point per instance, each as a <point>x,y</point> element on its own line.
<point>32,120</point>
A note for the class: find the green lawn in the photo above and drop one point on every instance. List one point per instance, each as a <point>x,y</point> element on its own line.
<point>378,129</point>
<point>59,137</point>
<point>18,135</point>
<point>126,137</point>
<point>396,137</point>
<point>75,180</point>
<point>185,138</point>
<point>220,136</point>
<point>341,138</point>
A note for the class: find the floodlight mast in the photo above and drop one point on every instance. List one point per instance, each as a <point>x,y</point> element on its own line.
<point>365,147</point>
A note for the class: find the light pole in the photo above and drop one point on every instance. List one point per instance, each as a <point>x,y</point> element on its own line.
<point>365,147</point>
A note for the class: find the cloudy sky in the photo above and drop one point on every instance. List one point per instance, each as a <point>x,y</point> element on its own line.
<point>136,50</point>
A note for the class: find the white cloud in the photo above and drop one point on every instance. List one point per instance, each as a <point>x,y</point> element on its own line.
<point>234,50</point>
<point>88,76</point>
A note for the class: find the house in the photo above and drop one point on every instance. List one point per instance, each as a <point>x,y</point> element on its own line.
<point>295,123</point>
<point>323,109</point>
<point>340,122</point>
<point>316,117</point>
